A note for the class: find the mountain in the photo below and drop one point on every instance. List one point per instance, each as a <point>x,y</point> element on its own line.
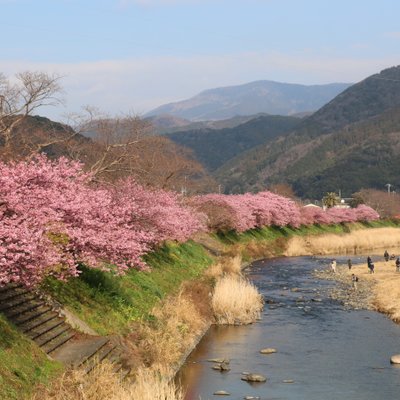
<point>214,147</point>
<point>350,143</point>
<point>166,123</point>
<point>252,98</point>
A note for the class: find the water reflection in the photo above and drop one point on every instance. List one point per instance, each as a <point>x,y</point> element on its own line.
<point>329,352</point>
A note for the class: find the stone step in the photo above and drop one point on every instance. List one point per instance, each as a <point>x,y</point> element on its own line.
<point>59,341</point>
<point>12,293</point>
<point>37,322</point>
<point>10,286</point>
<point>52,335</point>
<point>101,354</point>
<point>45,328</point>
<point>20,310</point>
<point>15,301</point>
<point>22,319</point>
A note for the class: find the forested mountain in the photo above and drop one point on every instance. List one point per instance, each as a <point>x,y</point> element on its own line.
<point>213,147</point>
<point>350,143</point>
<point>252,98</point>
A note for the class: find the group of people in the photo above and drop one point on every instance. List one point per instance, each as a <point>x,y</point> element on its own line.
<point>392,257</point>
<point>370,264</point>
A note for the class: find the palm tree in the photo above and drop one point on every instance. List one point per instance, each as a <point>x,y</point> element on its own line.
<point>330,199</point>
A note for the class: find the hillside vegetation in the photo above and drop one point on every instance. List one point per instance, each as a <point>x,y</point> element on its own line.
<point>213,147</point>
<point>349,144</point>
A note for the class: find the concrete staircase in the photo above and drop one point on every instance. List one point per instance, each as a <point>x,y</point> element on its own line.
<point>38,320</point>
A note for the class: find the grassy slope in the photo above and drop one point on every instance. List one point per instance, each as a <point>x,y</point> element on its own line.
<point>108,303</point>
<point>22,364</point>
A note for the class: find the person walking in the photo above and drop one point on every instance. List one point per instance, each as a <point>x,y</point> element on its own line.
<point>333,266</point>
<point>386,256</point>
<point>397,264</point>
<point>349,264</point>
<point>369,263</point>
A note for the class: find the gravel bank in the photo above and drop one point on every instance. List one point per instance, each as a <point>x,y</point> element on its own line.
<point>360,298</point>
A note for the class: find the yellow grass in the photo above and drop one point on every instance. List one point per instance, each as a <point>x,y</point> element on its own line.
<point>103,384</point>
<point>386,286</point>
<point>232,265</point>
<point>214,271</point>
<point>226,265</point>
<point>176,326</point>
<point>355,242</point>
<point>236,301</point>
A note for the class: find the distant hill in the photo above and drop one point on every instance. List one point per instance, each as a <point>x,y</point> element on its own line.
<point>214,147</point>
<point>166,123</point>
<point>252,98</point>
<point>351,143</point>
<point>40,134</point>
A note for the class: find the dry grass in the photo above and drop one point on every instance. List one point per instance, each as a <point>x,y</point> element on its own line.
<point>226,265</point>
<point>214,271</point>
<point>236,301</point>
<point>355,242</point>
<point>103,384</point>
<point>386,286</point>
<point>232,265</point>
<point>176,326</point>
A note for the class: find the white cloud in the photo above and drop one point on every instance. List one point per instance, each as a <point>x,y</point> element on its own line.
<point>137,85</point>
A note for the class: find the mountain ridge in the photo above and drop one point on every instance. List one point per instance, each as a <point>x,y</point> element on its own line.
<point>261,96</point>
<point>313,158</point>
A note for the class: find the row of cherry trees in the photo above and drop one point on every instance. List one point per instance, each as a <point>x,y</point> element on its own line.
<point>53,216</point>
<point>249,211</point>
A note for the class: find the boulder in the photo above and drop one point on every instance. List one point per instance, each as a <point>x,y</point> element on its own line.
<point>219,360</point>
<point>221,393</point>
<point>395,359</point>
<point>221,367</point>
<point>254,378</point>
<point>268,350</point>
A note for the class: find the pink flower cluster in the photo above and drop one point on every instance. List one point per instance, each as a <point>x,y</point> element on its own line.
<point>52,218</point>
<point>248,211</point>
<point>315,215</point>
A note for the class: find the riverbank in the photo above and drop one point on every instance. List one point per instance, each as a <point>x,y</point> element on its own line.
<point>379,291</point>
<point>141,307</point>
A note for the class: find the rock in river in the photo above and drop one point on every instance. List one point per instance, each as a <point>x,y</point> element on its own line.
<point>395,359</point>
<point>254,378</point>
<point>268,350</point>
<point>219,360</point>
<point>221,367</point>
<point>221,393</point>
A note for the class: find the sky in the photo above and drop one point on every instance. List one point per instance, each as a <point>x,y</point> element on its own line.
<point>129,56</point>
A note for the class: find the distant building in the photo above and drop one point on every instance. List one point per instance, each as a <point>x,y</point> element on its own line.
<point>312,205</point>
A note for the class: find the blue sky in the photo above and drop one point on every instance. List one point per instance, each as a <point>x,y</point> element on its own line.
<point>133,55</point>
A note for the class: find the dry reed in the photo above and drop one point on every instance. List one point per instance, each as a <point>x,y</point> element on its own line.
<point>176,326</point>
<point>103,384</point>
<point>355,242</point>
<point>236,301</point>
<point>232,265</point>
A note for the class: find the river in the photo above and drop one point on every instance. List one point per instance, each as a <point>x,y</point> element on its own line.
<point>328,351</point>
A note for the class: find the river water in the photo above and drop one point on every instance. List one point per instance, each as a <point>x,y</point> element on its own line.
<point>328,351</point>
